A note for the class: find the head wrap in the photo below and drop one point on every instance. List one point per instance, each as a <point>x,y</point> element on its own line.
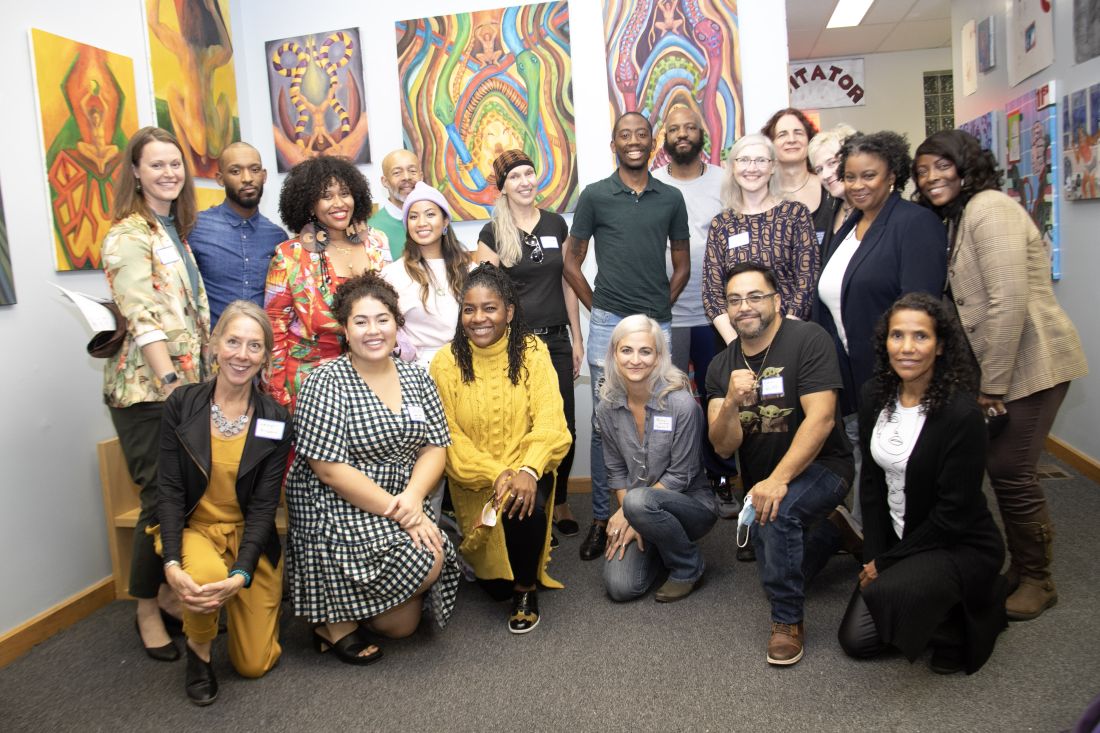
<point>506,161</point>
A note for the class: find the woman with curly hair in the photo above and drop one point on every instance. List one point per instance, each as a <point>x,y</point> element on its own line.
<point>933,554</point>
<point>1026,347</point>
<point>326,200</point>
<point>509,434</point>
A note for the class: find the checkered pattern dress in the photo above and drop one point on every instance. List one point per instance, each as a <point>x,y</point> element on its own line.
<point>347,564</point>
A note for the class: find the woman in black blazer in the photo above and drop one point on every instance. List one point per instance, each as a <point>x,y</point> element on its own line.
<point>224,448</point>
<point>933,554</point>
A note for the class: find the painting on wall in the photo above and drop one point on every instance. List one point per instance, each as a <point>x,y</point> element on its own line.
<point>986,129</point>
<point>317,102</point>
<point>1081,143</point>
<point>194,85</point>
<point>206,198</point>
<point>7,282</point>
<point>969,48</point>
<point>1029,38</point>
<point>987,50</point>
<point>673,52</point>
<point>87,113</point>
<point>1032,163</point>
<point>1086,30</point>
<point>473,85</point>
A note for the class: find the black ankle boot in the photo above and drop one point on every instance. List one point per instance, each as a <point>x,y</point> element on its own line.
<point>201,685</point>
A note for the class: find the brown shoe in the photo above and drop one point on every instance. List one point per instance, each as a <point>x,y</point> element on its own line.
<point>1031,598</point>
<point>785,644</point>
<point>675,590</point>
<point>851,535</point>
<point>1031,546</point>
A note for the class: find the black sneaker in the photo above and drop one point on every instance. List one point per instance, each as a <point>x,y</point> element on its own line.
<point>525,612</point>
<point>728,507</point>
<point>595,543</point>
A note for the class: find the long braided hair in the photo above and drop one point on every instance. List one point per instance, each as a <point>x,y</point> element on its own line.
<point>495,279</point>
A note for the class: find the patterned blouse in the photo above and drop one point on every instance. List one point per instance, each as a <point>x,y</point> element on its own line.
<point>298,300</point>
<point>781,238</point>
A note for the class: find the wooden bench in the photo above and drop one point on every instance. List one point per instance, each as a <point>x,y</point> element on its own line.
<point>121,508</point>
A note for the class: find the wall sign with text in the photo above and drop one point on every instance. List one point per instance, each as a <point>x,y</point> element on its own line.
<point>826,83</point>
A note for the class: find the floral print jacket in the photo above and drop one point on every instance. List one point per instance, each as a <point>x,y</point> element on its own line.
<point>159,305</point>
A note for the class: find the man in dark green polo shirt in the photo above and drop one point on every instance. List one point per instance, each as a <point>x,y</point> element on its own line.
<point>633,218</point>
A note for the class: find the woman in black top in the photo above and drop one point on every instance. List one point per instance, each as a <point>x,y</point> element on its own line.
<point>791,131</point>
<point>527,241</point>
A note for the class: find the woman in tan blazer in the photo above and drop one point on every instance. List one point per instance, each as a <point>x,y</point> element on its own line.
<point>999,280</point>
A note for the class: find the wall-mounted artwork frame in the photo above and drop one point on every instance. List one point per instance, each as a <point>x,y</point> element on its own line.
<point>1032,163</point>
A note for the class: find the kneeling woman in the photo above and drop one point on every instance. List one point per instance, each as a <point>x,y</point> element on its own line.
<point>933,552</point>
<point>224,446</point>
<point>509,434</point>
<point>652,427</point>
<point>363,543</point>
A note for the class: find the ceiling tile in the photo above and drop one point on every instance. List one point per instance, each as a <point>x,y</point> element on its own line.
<point>929,9</point>
<point>801,44</point>
<point>887,11</point>
<point>808,14</point>
<point>848,41</point>
<point>916,34</point>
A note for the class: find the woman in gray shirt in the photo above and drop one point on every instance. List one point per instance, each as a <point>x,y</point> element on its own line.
<point>651,427</point>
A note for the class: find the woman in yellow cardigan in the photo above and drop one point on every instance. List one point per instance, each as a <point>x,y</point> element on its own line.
<point>508,433</point>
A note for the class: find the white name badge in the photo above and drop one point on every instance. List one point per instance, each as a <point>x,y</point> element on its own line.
<point>416,413</point>
<point>771,386</point>
<point>549,242</point>
<point>168,255</point>
<point>272,429</point>
<point>662,423</point>
<point>739,240</point>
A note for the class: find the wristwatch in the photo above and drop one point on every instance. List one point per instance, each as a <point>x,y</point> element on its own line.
<point>169,378</point>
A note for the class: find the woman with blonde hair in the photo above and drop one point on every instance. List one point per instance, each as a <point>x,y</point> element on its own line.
<point>651,425</point>
<point>824,157</point>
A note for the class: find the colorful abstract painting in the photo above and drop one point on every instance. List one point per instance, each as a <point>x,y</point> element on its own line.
<point>194,85</point>
<point>317,100</point>
<point>7,282</point>
<point>669,52</point>
<point>1032,163</point>
<point>473,85</point>
<point>1081,143</point>
<point>206,198</point>
<point>985,128</point>
<point>987,49</point>
<point>87,114</point>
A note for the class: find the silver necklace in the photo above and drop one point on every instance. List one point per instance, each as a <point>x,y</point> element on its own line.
<point>225,426</point>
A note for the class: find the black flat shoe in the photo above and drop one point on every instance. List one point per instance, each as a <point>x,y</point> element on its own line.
<point>349,647</point>
<point>567,527</point>
<point>595,543</point>
<point>525,612</point>
<point>167,653</point>
<point>200,683</point>
<point>946,659</point>
<point>172,624</point>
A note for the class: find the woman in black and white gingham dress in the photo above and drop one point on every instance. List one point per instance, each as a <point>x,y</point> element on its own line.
<point>348,564</point>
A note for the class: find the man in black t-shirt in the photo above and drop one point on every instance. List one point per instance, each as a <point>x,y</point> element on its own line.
<point>773,398</point>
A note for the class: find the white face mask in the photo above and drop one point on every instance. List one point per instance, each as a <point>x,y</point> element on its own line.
<point>745,520</point>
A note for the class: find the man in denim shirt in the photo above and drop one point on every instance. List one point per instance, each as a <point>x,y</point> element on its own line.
<point>233,242</point>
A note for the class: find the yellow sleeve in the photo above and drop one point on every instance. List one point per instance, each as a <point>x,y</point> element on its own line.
<point>548,439</point>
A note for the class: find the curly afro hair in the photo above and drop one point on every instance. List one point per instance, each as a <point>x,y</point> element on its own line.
<point>368,285</point>
<point>891,147</point>
<point>976,167</point>
<point>306,183</point>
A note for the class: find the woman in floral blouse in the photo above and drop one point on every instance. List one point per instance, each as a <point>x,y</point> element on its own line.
<point>327,201</point>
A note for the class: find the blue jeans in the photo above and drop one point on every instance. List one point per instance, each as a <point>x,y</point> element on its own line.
<point>780,543</point>
<point>600,325</point>
<point>669,523</point>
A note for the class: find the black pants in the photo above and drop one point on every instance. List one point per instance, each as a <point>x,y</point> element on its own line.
<point>138,428</point>
<point>526,537</point>
<point>561,355</point>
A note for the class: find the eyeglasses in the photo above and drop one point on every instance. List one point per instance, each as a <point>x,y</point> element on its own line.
<point>747,162</point>
<point>754,299</point>
<point>537,255</point>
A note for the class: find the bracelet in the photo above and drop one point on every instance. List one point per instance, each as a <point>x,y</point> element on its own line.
<point>244,574</point>
<point>170,563</point>
<point>530,472</point>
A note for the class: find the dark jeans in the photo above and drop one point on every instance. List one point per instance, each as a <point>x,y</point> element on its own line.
<point>561,355</point>
<point>526,537</point>
<point>696,346</point>
<point>138,428</point>
<point>1014,454</point>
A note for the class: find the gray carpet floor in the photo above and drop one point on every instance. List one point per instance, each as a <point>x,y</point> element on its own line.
<point>697,665</point>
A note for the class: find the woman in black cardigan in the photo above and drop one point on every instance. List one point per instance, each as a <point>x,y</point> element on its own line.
<point>224,448</point>
<point>933,554</point>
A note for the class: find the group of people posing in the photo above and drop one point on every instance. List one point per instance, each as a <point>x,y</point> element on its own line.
<point>866,359</point>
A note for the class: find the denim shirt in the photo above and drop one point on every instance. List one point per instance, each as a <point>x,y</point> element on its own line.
<point>233,255</point>
<point>670,452</point>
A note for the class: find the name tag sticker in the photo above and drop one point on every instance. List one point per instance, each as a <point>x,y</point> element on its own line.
<point>739,240</point>
<point>416,413</point>
<point>771,386</point>
<point>549,242</point>
<point>168,255</point>
<point>662,423</point>
<point>272,429</point>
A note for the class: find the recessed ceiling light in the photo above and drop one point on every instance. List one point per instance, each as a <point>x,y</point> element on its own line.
<point>848,13</point>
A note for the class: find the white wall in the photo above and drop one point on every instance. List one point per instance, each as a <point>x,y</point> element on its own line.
<point>52,531</point>
<point>1077,421</point>
<point>895,93</point>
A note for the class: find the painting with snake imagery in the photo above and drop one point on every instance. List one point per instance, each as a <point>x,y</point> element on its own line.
<point>87,113</point>
<point>473,85</point>
<point>662,53</point>
<point>317,100</point>
<point>194,85</point>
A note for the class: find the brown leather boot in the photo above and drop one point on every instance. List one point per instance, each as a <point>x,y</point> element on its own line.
<point>1031,544</point>
<point>785,644</point>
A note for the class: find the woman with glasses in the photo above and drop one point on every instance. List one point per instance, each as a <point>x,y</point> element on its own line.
<point>526,242</point>
<point>759,226</point>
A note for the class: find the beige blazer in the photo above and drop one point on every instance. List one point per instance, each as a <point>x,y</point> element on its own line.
<point>1000,279</point>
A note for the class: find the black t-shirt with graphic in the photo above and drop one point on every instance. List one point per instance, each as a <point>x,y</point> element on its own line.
<point>801,361</point>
